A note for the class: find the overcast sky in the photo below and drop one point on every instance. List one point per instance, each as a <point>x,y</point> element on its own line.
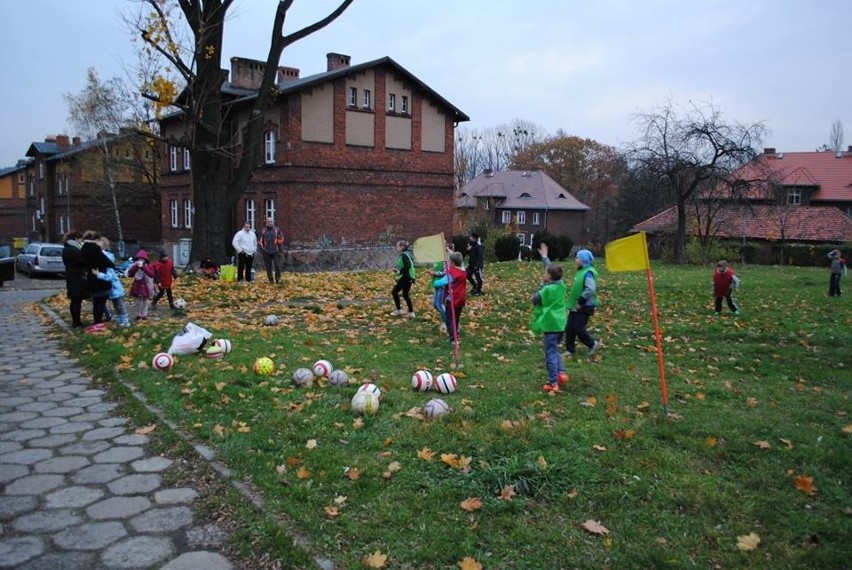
<point>584,67</point>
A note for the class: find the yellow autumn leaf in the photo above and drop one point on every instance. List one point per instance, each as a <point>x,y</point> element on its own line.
<point>471,504</point>
<point>353,474</point>
<point>599,447</point>
<point>805,484</point>
<point>763,444</point>
<point>469,563</point>
<point>595,527</point>
<point>847,428</point>
<point>748,541</point>
<point>219,386</point>
<point>425,454</point>
<point>507,492</point>
<point>303,473</point>
<point>542,462</point>
<point>375,560</point>
<point>331,511</point>
<point>711,441</point>
<point>146,429</point>
<point>219,430</point>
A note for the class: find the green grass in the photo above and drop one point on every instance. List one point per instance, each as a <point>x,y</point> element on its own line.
<point>673,491</point>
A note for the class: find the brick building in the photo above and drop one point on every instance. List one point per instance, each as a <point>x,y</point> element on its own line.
<point>353,155</point>
<point>13,201</point>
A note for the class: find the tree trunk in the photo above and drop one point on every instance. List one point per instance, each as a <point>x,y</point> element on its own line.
<point>680,237</point>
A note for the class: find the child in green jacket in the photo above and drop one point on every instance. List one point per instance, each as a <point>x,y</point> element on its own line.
<point>549,319</point>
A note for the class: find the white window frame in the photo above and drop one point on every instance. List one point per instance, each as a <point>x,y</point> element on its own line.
<point>535,219</point>
<point>269,208</point>
<point>173,154</point>
<point>404,104</point>
<point>62,227</point>
<point>32,188</point>
<point>522,218</point>
<point>40,170</point>
<point>506,217</point>
<point>187,213</point>
<point>187,160</point>
<point>794,197</point>
<point>522,238</point>
<point>353,96</point>
<point>174,213</point>
<point>368,99</point>
<point>251,212</point>
<point>269,147</point>
<point>392,102</point>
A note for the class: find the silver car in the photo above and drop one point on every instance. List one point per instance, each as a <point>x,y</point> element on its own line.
<point>41,259</point>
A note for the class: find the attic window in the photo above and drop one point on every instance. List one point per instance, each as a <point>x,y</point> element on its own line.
<point>525,195</point>
<point>561,195</point>
<point>794,197</point>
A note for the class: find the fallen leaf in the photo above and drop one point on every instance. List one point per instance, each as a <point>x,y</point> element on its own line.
<point>425,454</point>
<point>748,541</point>
<point>470,564</point>
<point>751,402</point>
<point>353,474</point>
<point>471,504</point>
<point>763,444</point>
<point>599,447</point>
<point>507,492</point>
<point>331,511</point>
<point>591,401</point>
<point>375,560</point>
<point>711,441</point>
<point>786,442</point>
<point>572,494</point>
<point>847,428</point>
<point>595,527</point>
<point>146,429</point>
<point>311,444</point>
<point>542,462</point>
<point>805,484</point>
<point>303,473</point>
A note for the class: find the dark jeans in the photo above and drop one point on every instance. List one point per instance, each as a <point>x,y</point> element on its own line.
<point>99,307</point>
<point>270,260</point>
<point>834,285</point>
<point>403,286</point>
<point>453,318</point>
<point>731,305</point>
<point>474,277</point>
<point>76,307</point>
<point>576,328</point>
<point>159,295</point>
<point>244,265</point>
<point>552,358</point>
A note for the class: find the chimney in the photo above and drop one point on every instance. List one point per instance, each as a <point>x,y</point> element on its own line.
<point>769,150</point>
<point>76,141</point>
<point>50,139</point>
<point>63,142</point>
<point>337,61</point>
<point>246,73</point>
<point>287,74</point>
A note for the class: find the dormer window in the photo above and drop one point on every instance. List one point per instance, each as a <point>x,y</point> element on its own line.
<point>794,197</point>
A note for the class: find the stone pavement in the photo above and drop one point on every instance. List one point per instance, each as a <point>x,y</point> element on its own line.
<point>79,490</point>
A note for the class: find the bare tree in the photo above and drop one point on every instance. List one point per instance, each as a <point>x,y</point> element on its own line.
<point>689,150</point>
<point>835,136</point>
<point>493,148</point>
<point>219,176</point>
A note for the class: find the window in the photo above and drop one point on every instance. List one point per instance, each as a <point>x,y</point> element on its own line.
<point>404,108</point>
<point>367,99</point>
<point>522,218</point>
<point>40,170</point>
<point>173,152</point>
<point>353,96</point>
<point>392,102</point>
<point>62,226</point>
<point>269,208</point>
<point>187,161</point>
<point>251,213</point>
<point>173,213</point>
<point>269,147</point>
<point>794,197</point>
<point>20,178</point>
<point>522,238</point>
<point>507,217</point>
<point>535,219</point>
<point>32,187</point>
<point>187,213</point>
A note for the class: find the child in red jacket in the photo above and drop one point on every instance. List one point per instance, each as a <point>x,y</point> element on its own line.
<point>165,274</point>
<point>724,284</point>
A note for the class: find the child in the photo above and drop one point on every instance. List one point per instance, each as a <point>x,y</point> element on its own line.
<point>838,269</point>
<point>454,283</point>
<point>164,269</point>
<point>440,292</point>
<point>116,293</point>
<point>142,288</point>
<point>581,304</point>
<point>549,320</point>
<point>724,283</point>
<point>404,276</point>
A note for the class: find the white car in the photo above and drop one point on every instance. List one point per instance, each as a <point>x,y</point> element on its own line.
<point>41,259</point>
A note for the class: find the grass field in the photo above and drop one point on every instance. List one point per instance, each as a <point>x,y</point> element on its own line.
<point>751,467</point>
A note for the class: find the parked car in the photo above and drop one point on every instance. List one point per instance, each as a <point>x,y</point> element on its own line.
<point>41,259</point>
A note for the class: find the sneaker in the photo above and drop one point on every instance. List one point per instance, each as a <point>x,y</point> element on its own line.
<point>567,355</point>
<point>396,313</point>
<point>550,388</point>
<point>737,313</point>
<point>718,313</point>
<point>595,347</point>
<point>410,315</point>
<point>561,379</point>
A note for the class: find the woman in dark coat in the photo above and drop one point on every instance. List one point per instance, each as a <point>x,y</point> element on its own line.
<point>75,275</point>
<point>94,258</point>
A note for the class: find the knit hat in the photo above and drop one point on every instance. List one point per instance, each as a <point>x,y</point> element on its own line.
<point>585,256</point>
<point>142,254</point>
<point>163,253</point>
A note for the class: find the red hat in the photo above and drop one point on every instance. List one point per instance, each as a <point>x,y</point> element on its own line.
<point>142,254</point>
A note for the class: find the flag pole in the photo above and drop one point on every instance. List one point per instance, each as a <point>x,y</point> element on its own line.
<point>657,335</point>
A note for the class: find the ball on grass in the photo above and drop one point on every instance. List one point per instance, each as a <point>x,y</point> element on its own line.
<point>338,378</point>
<point>436,408</point>
<point>422,381</point>
<point>365,403</point>
<point>162,361</point>
<point>303,377</point>
<point>271,321</point>
<point>322,368</point>
<point>224,344</point>
<point>371,388</point>
<point>264,366</point>
<point>180,304</point>
<point>446,383</point>
<point>214,351</point>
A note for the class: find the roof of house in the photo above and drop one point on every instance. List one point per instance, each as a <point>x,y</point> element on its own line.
<point>830,173</point>
<point>53,151</point>
<point>22,165</point>
<point>515,189</point>
<point>764,221</point>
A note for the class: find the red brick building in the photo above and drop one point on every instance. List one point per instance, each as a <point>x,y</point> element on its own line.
<point>356,154</point>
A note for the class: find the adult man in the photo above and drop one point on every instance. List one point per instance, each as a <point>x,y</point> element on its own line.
<point>270,242</point>
<point>475,260</point>
<point>245,244</point>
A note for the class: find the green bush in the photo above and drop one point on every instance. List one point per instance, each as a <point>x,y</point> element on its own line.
<point>553,244</point>
<point>507,247</point>
<point>566,244</point>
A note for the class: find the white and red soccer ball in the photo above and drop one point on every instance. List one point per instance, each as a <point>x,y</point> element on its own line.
<point>436,408</point>
<point>224,344</point>
<point>371,388</point>
<point>366,403</point>
<point>446,383</point>
<point>322,368</point>
<point>162,361</point>
<point>422,381</point>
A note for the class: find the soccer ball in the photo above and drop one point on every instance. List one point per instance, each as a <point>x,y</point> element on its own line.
<point>180,304</point>
<point>214,351</point>
<point>446,383</point>
<point>322,368</point>
<point>422,381</point>
<point>271,321</point>
<point>365,403</point>
<point>162,361</point>
<point>436,408</point>
<point>371,388</point>
<point>264,366</point>
<point>303,377</point>
<point>224,344</point>
<point>338,378</point>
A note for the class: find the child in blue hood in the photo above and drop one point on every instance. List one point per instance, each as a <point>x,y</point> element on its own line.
<point>581,304</point>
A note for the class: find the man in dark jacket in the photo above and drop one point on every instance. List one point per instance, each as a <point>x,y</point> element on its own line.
<point>75,276</point>
<point>475,261</point>
<point>270,243</point>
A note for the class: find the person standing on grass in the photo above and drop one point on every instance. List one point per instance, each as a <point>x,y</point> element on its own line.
<point>454,283</point>
<point>164,275</point>
<point>438,271</point>
<point>116,293</point>
<point>838,269</point>
<point>549,320</point>
<point>581,304</point>
<point>245,244</point>
<point>75,276</point>
<point>94,258</point>
<point>475,262</point>
<point>404,276</point>
<point>724,284</point>
<point>142,287</point>
<point>270,243</point>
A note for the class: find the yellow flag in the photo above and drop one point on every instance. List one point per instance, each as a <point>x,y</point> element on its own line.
<point>627,254</point>
<point>430,249</point>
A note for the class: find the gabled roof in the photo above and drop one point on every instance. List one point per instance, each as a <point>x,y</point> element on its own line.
<point>830,173</point>
<point>22,165</point>
<point>799,223</point>
<point>519,190</point>
<point>45,148</point>
<point>54,152</point>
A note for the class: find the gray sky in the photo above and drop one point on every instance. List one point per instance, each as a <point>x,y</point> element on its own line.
<point>584,67</point>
